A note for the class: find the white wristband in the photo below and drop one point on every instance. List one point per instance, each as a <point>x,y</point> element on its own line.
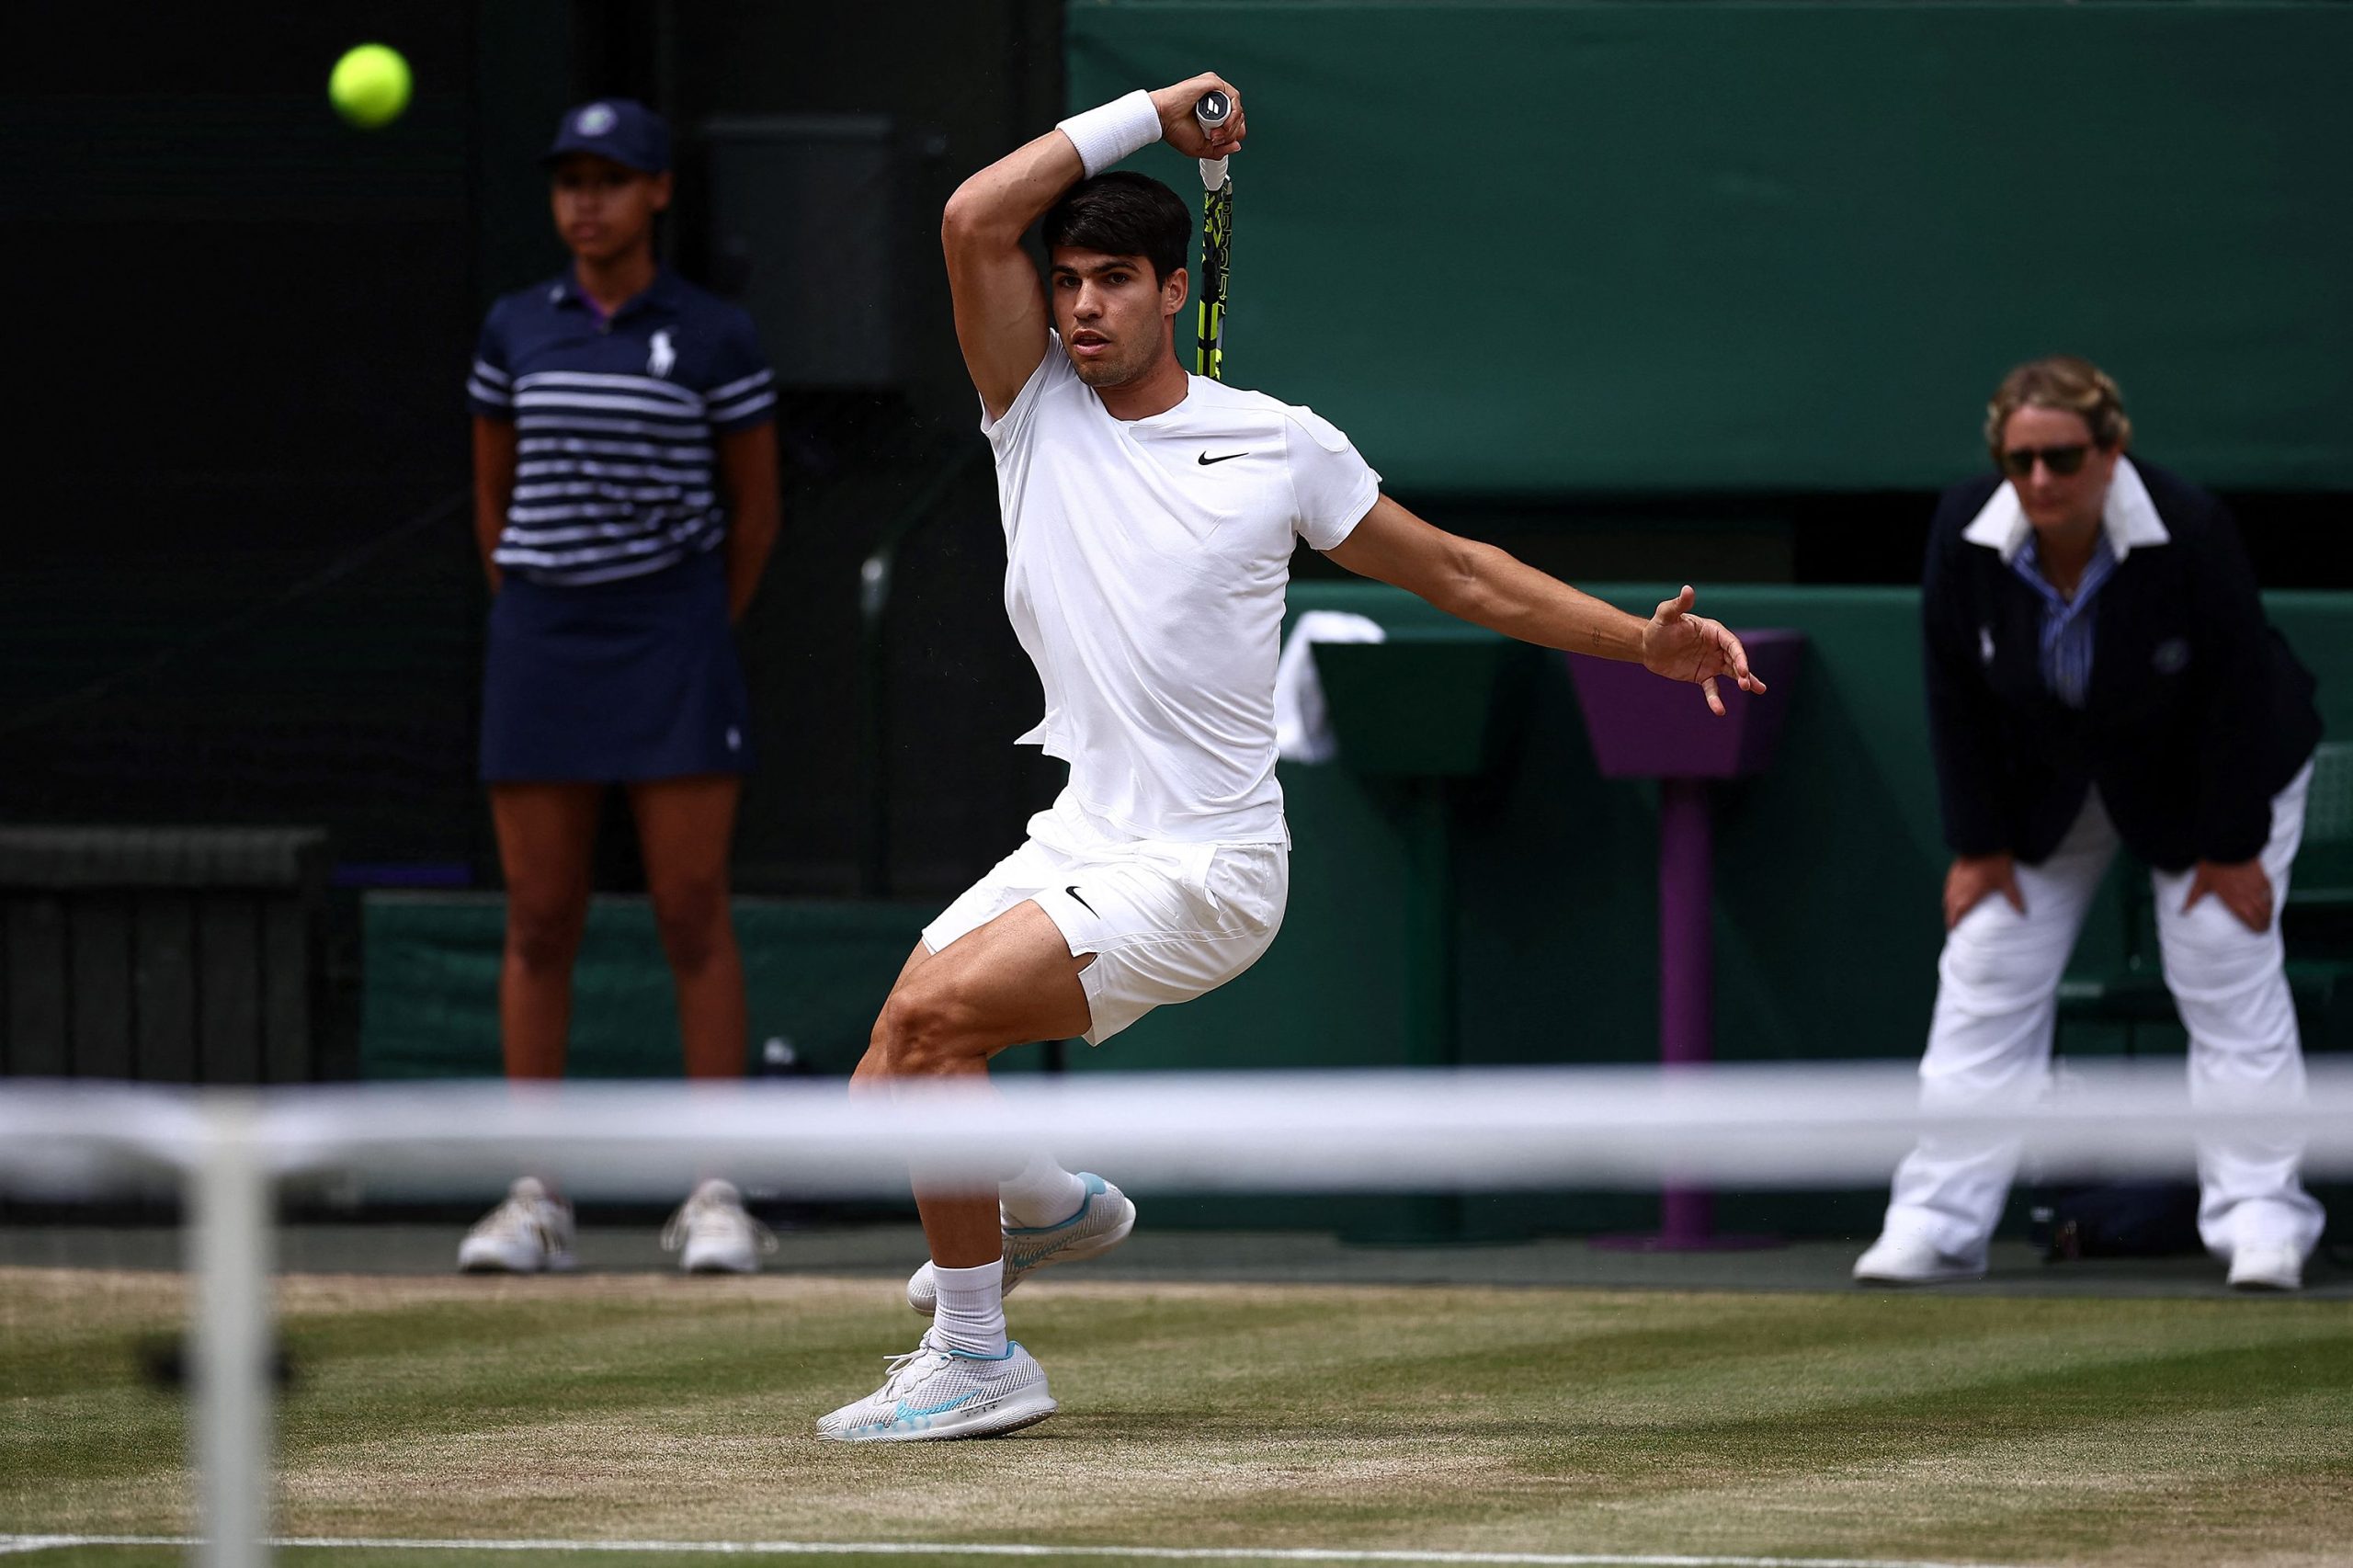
<point>1108,133</point>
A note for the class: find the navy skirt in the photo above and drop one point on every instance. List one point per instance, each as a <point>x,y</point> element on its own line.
<point>614,682</point>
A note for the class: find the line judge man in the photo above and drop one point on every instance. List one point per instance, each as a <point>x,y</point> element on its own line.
<point>2099,673</point>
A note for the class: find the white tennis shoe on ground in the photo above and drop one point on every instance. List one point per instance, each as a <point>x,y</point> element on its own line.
<point>2267,1269</point>
<point>1104,1218</point>
<point>712,1233</point>
<point>529,1233</point>
<point>932,1392</point>
<point>1913,1260</point>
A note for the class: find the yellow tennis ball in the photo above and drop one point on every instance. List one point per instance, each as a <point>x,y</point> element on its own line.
<point>369,85</point>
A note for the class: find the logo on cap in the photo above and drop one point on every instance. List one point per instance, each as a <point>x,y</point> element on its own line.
<point>595,121</point>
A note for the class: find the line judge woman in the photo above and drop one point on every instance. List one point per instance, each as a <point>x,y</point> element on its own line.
<point>2099,672</point>
<point>625,500</point>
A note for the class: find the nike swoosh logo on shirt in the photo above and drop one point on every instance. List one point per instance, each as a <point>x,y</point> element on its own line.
<point>1073,890</point>
<point>1205,459</point>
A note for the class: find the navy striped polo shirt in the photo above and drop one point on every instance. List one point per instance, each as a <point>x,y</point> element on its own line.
<point>614,418</point>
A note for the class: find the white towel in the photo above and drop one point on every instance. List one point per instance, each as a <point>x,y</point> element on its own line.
<point>1302,725</point>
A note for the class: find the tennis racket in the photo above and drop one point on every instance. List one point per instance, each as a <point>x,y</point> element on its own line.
<point>1217,238</point>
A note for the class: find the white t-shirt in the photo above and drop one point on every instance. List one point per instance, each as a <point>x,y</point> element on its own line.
<point>1145,563</point>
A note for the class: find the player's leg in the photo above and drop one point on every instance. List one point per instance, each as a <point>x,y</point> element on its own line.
<point>546,836</point>
<point>1012,981</point>
<point>1050,1214</point>
<point>2230,986</point>
<point>685,827</point>
<point>1989,1043</point>
<point>1098,945</point>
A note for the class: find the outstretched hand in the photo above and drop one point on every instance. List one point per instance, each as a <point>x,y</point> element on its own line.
<point>1683,646</point>
<point>1182,131</point>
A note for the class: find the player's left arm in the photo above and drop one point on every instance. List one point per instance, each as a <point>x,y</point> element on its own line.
<point>1487,586</point>
<point>747,471</point>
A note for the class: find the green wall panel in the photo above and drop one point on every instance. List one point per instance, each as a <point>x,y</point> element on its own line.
<point>815,972</point>
<point>1526,248</point>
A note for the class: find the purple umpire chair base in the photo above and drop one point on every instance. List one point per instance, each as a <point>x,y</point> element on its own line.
<point>1642,727</point>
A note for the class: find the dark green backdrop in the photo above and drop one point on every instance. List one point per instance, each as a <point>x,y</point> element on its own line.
<point>1654,248</point>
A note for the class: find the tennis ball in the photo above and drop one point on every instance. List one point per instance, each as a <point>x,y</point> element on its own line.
<point>369,85</point>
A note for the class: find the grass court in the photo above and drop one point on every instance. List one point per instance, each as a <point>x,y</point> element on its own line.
<point>1874,1427</point>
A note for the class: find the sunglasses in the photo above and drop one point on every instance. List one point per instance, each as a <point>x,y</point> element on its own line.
<point>2060,461</point>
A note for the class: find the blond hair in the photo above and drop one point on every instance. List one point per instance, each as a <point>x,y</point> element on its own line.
<point>2069,384</point>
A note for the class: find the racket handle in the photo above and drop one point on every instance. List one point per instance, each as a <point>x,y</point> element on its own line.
<point>1212,110</point>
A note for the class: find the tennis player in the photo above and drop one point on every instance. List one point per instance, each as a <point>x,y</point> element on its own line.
<point>1150,518</point>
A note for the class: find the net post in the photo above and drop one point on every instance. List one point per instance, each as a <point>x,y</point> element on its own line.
<point>229,1331</point>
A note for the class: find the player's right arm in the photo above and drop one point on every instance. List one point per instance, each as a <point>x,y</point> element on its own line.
<point>1000,313</point>
<point>493,487</point>
<point>1000,307</point>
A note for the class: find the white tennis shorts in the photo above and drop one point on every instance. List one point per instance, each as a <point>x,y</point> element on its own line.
<point>1165,921</point>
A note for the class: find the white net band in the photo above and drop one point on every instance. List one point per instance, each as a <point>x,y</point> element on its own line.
<point>1779,1126</point>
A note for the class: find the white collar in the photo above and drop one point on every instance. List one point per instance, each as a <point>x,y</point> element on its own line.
<point>2128,518</point>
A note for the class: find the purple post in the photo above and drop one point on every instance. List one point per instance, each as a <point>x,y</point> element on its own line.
<point>1686,972</point>
<point>1642,727</point>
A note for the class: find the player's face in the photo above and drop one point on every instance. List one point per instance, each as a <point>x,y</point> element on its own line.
<point>1113,318</point>
<point>2047,440</point>
<point>605,209</point>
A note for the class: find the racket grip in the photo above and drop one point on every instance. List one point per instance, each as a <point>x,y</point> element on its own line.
<point>1213,109</point>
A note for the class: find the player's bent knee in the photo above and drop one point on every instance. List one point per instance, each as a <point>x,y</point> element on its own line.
<point>923,1032</point>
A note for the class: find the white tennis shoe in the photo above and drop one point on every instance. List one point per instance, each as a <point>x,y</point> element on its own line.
<point>933,1392</point>
<point>712,1233</point>
<point>1102,1221</point>
<point>1913,1260</point>
<point>531,1233</point>
<point>2267,1269</point>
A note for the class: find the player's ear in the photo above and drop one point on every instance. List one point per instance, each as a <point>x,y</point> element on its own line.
<point>662,192</point>
<point>1171,293</point>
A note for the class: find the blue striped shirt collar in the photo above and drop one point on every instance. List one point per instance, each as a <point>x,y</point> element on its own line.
<point>663,290</point>
<point>2065,642</point>
<point>2129,519</point>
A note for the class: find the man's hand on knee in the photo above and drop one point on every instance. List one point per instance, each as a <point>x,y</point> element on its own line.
<point>1973,878</point>
<point>2244,889</point>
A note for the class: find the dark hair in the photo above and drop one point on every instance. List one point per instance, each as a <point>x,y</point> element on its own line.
<point>1123,213</point>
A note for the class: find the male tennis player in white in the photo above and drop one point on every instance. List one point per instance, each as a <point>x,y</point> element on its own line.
<point>1150,518</point>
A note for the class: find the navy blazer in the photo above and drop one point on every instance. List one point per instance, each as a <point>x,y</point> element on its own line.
<point>2196,715</point>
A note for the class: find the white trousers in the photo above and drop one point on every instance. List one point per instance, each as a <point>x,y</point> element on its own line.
<point>1989,1039</point>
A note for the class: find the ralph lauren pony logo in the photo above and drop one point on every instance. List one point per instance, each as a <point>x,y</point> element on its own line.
<point>664,355</point>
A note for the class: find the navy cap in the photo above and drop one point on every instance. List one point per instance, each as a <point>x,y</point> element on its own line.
<point>619,129</point>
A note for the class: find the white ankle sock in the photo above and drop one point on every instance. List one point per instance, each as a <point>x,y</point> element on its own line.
<point>971,1317</point>
<point>1044,1194</point>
